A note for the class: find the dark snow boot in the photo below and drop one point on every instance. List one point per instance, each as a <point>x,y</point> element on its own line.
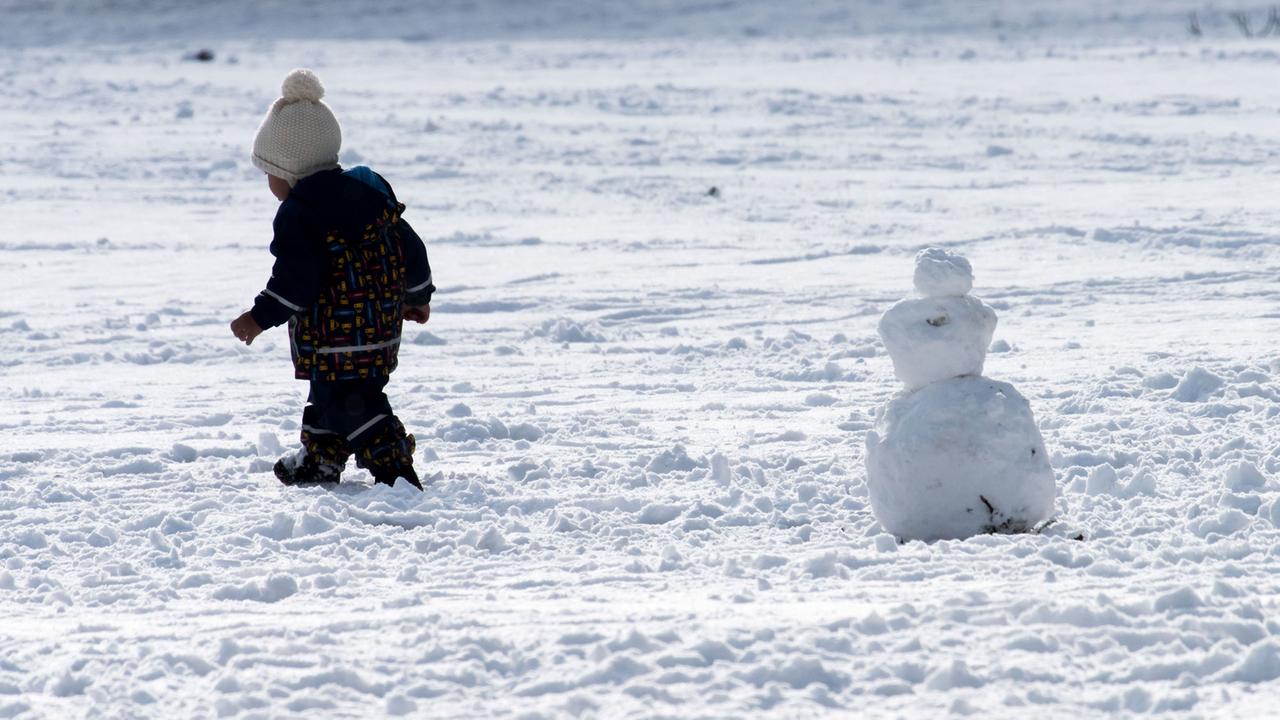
<point>318,462</point>
<point>388,455</point>
<point>305,469</point>
<point>389,477</point>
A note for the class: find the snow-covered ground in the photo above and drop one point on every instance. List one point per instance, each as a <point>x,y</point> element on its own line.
<point>648,399</point>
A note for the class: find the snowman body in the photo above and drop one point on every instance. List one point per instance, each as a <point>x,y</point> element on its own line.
<point>956,454</point>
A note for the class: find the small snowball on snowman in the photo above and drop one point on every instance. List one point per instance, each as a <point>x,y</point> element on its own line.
<point>956,454</point>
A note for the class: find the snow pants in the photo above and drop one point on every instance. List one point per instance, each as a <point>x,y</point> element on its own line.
<point>353,417</point>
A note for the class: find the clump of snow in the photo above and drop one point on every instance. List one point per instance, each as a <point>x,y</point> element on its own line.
<point>427,338</point>
<point>569,331</point>
<point>1197,385</point>
<point>527,471</point>
<point>139,466</point>
<point>68,684</point>
<point>1226,522</point>
<point>955,674</point>
<point>473,429</point>
<point>269,444</point>
<point>183,453</point>
<point>1261,665</point>
<point>491,540</point>
<point>1184,598</point>
<point>675,459</point>
<point>1143,482</point>
<point>958,458</point>
<point>659,513</point>
<point>1243,477</point>
<point>935,338</point>
<point>273,588</point>
<point>398,705</point>
<point>1102,480</point>
<point>1271,512</point>
<point>524,431</point>
<point>942,273</point>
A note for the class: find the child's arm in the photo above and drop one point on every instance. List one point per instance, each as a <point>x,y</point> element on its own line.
<point>417,299</point>
<point>295,278</point>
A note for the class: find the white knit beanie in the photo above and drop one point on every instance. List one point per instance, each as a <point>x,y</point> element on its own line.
<point>299,136</point>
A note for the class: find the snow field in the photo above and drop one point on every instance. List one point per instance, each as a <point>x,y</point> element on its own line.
<point>648,402</point>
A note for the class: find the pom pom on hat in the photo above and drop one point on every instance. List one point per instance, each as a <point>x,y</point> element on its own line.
<point>299,136</point>
<point>301,84</point>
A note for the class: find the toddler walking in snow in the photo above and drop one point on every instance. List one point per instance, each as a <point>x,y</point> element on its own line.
<point>348,271</point>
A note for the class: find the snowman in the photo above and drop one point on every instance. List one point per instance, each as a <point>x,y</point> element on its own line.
<point>956,454</point>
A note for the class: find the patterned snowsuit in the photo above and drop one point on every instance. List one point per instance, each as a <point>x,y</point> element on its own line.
<point>346,264</point>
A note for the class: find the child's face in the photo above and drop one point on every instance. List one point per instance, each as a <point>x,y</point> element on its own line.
<point>279,187</point>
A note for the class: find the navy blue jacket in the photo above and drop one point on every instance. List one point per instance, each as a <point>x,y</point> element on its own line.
<point>346,264</point>
<point>320,204</point>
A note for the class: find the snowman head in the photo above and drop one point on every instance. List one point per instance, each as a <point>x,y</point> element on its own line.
<point>942,273</point>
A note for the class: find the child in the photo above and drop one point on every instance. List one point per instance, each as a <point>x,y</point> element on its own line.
<point>348,271</point>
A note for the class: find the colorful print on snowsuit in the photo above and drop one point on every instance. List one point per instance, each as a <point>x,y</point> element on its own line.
<point>352,332</point>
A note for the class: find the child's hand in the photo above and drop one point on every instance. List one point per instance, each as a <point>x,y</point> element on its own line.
<point>245,328</point>
<point>417,313</point>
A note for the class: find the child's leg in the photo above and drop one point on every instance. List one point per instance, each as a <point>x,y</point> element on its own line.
<point>324,448</point>
<point>319,438</point>
<point>387,452</point>
<point>358,411</point>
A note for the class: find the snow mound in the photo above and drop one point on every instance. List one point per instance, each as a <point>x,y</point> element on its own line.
<point>427,338</point>
<point>301,84</point>
<point>955,674</point>
<point>1197,385</point>
<point>273,588</point>
<point>1224,523</point>
<point>932,339</point>
<point>1102,480</point>
<point>1244,477</point>
<point>958,458</point>
<point>567,331</point>
<point>1261,665</point>
<point>942,273</point>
